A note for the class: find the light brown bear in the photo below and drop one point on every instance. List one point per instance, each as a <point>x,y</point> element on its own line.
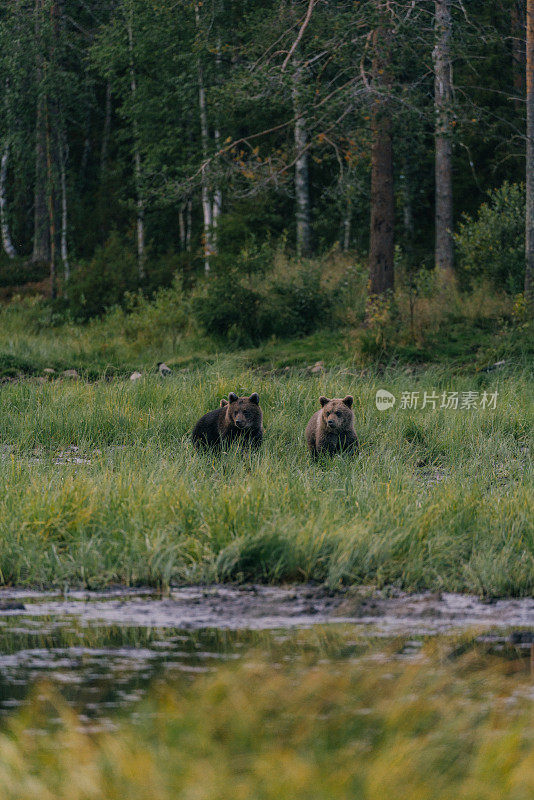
<point>331,429</point>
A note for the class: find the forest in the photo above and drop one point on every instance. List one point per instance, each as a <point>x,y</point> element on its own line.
<point>266,381</point>
<point>269,160</point>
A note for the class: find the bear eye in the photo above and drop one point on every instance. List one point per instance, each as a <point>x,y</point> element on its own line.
<point>338,413</point>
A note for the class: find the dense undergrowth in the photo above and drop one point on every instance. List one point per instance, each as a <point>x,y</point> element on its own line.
<point>437,499</point>
<point>298,314</point>
<point>444,728</point>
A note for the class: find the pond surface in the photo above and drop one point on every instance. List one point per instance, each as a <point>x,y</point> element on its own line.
<point>104,649</point>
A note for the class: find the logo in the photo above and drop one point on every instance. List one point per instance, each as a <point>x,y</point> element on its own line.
<point>384,400</point>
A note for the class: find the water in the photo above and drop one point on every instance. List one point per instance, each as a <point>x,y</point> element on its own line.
<point>103,651</point>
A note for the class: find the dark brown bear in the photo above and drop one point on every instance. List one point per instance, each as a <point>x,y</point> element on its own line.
<point>238,418</point>
<point>331,429</point>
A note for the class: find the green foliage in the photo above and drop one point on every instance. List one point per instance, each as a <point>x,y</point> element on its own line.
<point>492,245</point>
<point>102,282</point>
<point>228,309</point>
<point>291,301</point>
<point>142,321</point>
<point>295,303</point>
<point>17,272</point>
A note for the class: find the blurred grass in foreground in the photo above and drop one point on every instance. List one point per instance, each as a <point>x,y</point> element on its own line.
<point>442,728</point>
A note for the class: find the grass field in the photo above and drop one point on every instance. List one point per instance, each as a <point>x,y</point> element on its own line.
<point>437,499</point>
<point>447,727</point>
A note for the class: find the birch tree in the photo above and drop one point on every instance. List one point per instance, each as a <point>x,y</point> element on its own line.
<point>41,233</point>
<point>302,189</point>
<point>381,240</point>
<point>140,200</point>
<point>7,244</point>
<point>207,210</point>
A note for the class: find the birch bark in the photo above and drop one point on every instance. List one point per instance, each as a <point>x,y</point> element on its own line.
<point>302,189</point>
<point>4,224</point>
<point>381,240</point>
<point>207,209</point>
<point>140,202</point>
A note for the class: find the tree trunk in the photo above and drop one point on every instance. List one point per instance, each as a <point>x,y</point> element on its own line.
<point>140,203</point>
<point>302,190</point>
<point>347,218</point>
<point>41,242</point>
<point>518,51</point>
<point>381,242</point>
<point>207,209</point>
<point>105,133</point>
<point>444,255</point>
<point>529,266</point>
<point>4,224</point>
<point>181,225</point>
<point>217,194</point>
<point>189,225</point>
<point>50,202</point>
<point>64,208</point>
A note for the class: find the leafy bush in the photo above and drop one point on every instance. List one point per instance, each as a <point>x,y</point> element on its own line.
<point>103,281</point>
<point>295,303</point>
<point>289,303</point>
<point>228,309</point>
<point>150,322</point>
<point>493,244</point>
<point>18,272</point>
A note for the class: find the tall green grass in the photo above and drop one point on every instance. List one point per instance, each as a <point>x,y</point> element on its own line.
<point>436,499</point>
<point>375,726</point>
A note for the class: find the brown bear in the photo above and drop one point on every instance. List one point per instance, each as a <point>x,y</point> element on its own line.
<point>237,418</point>
<point>331,429</point>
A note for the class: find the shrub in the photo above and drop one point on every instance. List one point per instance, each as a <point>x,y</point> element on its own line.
<point>103,281</point>
<point>150,322</point>
<point>493,244</point>
<point>289,302</point>
<point>19,272</point>
<point>295,303</point>
<point>228,309</point>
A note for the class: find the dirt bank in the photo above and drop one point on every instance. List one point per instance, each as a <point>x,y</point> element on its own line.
<point>268,607</point>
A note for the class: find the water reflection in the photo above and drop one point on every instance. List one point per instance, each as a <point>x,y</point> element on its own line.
<point>101,669</point>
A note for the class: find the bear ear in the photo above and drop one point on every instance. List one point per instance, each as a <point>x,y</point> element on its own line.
<point>255,398</point>
<point>348,400</point>
<point>223,403</point>
<point>324,400</point>
<point>232,397</point>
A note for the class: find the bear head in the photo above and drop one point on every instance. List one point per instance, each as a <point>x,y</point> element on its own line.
<point>244,412</point>
<point>337,414</point>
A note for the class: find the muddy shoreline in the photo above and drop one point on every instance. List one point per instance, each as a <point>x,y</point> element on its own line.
<point>259,607</point>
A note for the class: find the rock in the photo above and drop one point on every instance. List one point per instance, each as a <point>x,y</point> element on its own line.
<point>70,373</point>
<point>48,371</point>
<point>494,366</point>
<point>135,376</point>
<point>164,370</point>
<point>317,367</point>
<point>12,605</point>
